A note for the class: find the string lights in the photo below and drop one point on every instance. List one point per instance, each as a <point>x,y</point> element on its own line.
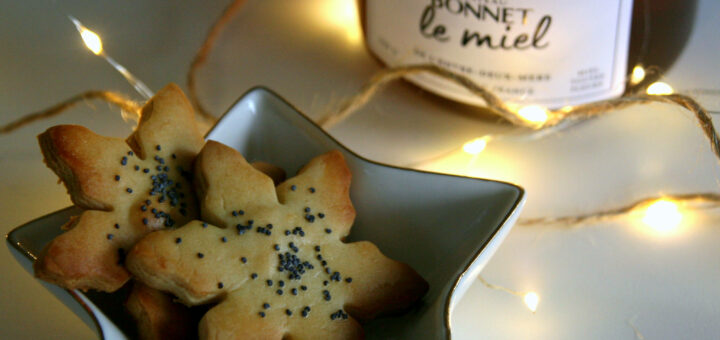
<point>662,214</point>
<point>531,299</point>
<point>94,44</point>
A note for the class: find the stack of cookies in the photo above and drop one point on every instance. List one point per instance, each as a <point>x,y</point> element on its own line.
<point>194,222</point>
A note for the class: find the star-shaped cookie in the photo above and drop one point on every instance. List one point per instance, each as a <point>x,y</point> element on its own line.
<point>128,188</point>
<point>273,257</point>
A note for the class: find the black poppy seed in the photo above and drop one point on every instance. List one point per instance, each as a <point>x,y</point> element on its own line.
<point>281,283</point>
<point>159,168</point>
<point>304,313</point>
<point>303,287</point>
<point>327,270</point>
<point>293,291</point>
<point>262,314</point>
<point>117,178</point>
<point>153,210</point>
<point>145,221</point>
<point>117,226</point>
<point>178,240</point>
<point>269,283</point>
<point>348,279</point>
<point>269,226</point>
<point>204,225</point>
<point>335,276</point>
<point>123,161</point>
<point>143,207</point>
<point>250,222</point>
<point>268,232</point>
<point>137,167</point>
<point>307,209</point>
<point>321,215</point>
<point>312,190</point>
<point>317,248</point>
<point>110,236</point>
<point>173,156</point>
<point>276,247</point>
<point>220,285</point>
<point>243,259</point>
<point>147,202</point>
<point>234,213</point>
<point>288,312</point>
<point>146,170</point>
<point>266,305</point>
<point>130,153</point>
<point>326,295</point>
<point>287,232</point>
<point>325,283</point>
<point>157,147</point>
<point>129,190</point>
<point>223,239</point>
<point>253,276</point>
<point>279,292</point>
<point>166,168</point>
<point>328,230</point>
<point>310,218</point>
<point>319,257</point>
<point>293,187</point>
<point>241,212</point>
<point>200,255</point>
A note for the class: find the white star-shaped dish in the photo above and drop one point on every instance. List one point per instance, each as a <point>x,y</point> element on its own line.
<point>445,227</point>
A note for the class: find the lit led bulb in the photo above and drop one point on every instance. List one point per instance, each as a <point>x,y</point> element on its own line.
<point>90,38</point>
<point>531,300</point>
<point>343,15</point>
<point>663,216</point>
<point>476,145</point>
<point>534,114</point>
<point>638,74</point>
<point>659,88</point>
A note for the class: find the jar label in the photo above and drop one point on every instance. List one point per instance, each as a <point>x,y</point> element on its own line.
<point>550,53</point>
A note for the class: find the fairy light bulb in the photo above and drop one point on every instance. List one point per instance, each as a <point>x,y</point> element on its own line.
<point>94,44</point>
<point>534,114</point>
<point>90,38</point>
<point>343,14</point>
<point>531,300</point>
<point>638,74</point>
<point>659,88</point>
<point>476,145</point>
<point>663,216</point>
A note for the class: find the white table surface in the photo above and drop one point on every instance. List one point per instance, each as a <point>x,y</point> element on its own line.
<point>592,281</point>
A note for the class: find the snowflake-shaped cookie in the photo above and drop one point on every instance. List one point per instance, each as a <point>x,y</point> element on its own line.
<point>273,257</point>
<point>127,188</point>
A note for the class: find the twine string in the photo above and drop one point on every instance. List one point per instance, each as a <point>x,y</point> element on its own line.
<point>709,199</point>
<point>202,55</point>
<point>114,98</point>
<point>557,118</point>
